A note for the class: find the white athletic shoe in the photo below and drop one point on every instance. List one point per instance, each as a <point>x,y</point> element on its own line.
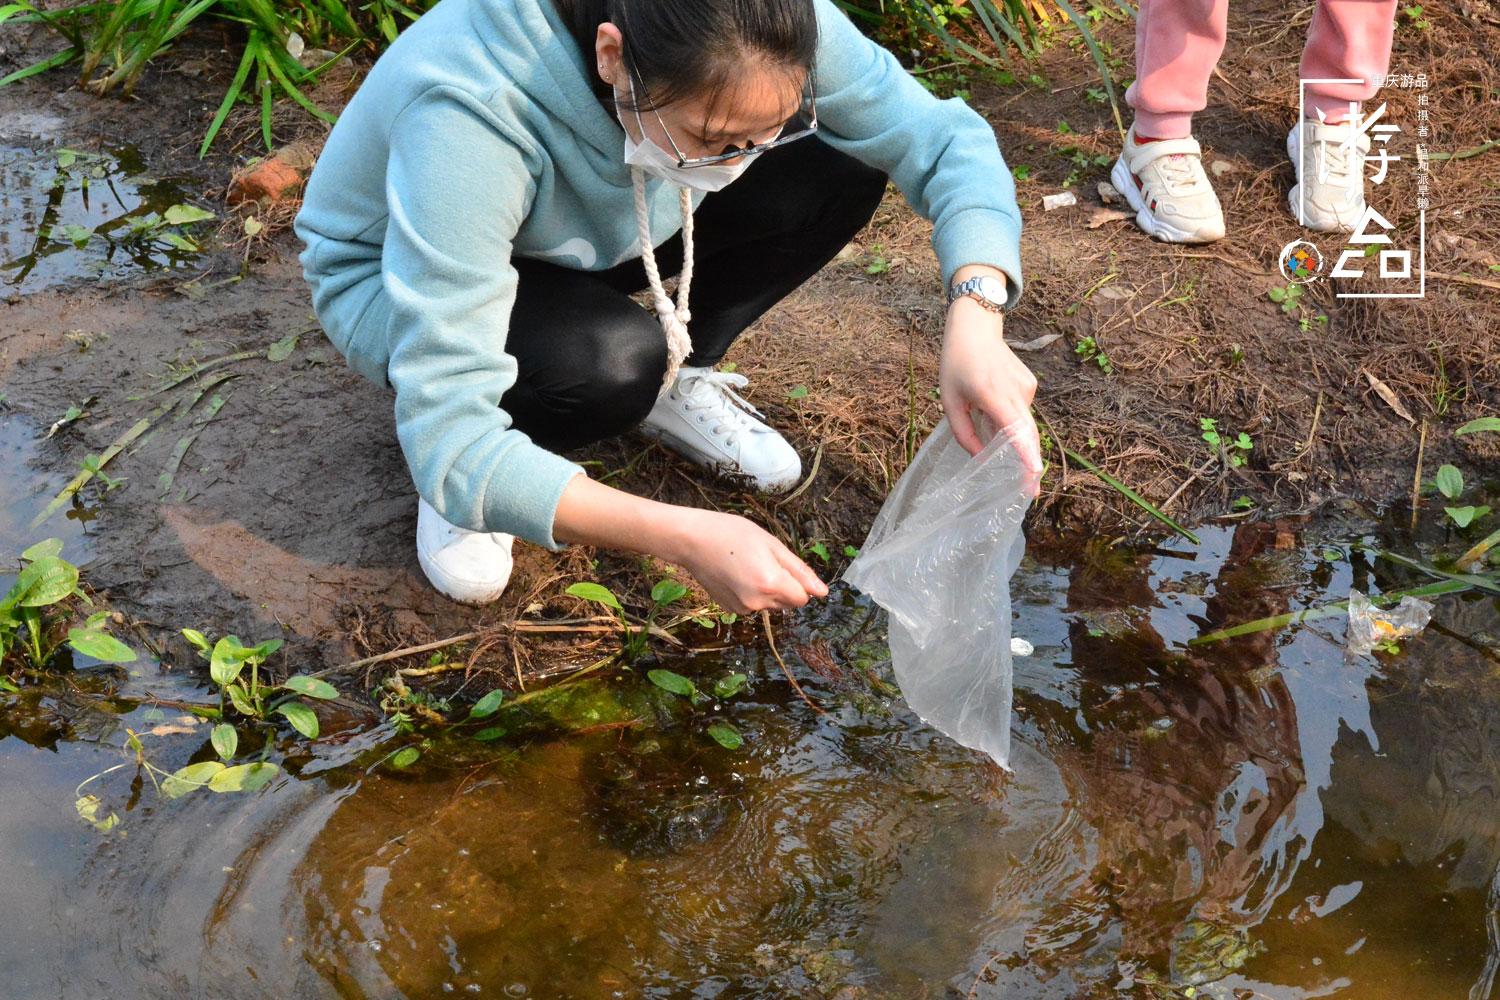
<point>704,419</point>
<point>469,566</point>
<point>1329,196</point>
<point>1164,182</point>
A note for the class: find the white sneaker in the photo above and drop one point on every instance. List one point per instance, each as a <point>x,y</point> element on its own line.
<point>1164,182</point>
<point>701,417</point>
<point>469,566</point>
<point>1329,196</point>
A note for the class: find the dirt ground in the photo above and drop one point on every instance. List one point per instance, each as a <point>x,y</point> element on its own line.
<point>293,513</point>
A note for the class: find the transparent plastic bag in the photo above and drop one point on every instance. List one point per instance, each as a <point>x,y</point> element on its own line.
<point>1370,626</point>
<point>939,558</point>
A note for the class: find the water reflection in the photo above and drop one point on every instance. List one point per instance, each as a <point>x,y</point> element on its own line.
<point>1258,817</point>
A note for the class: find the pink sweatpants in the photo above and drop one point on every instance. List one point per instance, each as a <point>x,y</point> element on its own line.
<point>1178,42</point>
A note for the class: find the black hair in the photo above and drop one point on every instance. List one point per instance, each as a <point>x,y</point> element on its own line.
<point>683,48</point>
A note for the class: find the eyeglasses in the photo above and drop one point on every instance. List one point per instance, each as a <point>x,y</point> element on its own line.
<point>805,120</point>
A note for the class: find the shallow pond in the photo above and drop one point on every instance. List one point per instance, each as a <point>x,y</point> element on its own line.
<point>1261,817</point>
<point>69,214</point>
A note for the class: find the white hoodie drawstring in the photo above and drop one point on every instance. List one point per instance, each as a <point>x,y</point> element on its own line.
<point>674,318</point>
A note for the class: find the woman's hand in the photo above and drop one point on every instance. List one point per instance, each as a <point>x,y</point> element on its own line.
<point>743,567</point>
<point>978,372</point>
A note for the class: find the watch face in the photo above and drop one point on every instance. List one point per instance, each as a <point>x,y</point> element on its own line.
<point>992,288</point>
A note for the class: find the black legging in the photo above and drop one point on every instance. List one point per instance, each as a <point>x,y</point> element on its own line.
<point>591,359</point>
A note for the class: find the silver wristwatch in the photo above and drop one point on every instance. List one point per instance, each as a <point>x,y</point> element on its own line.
<point>988,289</point>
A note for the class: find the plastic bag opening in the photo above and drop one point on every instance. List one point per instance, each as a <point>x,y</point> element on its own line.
<point>939,558</point>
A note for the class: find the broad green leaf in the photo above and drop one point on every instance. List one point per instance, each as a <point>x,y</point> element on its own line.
<point>1464,516</point>
<point>1482,424</point>
<point>726,687</point>
<point>595,592</point>
<point>673,682</point>
<point>186,779</point>
<point>667,591</point>
<point>226,661</point>
<point>725,735</point>
<point>1449,481</point>
<point>46,581</point>
<point>405,757</point>
<point>311,687</point>
<point>66,158</point>
<point>240,699</point>
<point>489,733</point>
<point>100,646</point>
<point>179,242</point>
<point>181,215</point>
<point>243,777</point>
<point>43,550</point>
<point>264,650</point>
<point>488,705</point>
<point>197,638</point>
<point>302,718</point>
<point>226,740</point>
<point>283,348</point>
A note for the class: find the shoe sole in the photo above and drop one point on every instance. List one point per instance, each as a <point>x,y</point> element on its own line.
<point>689,452</point>
<point>1124,183</point>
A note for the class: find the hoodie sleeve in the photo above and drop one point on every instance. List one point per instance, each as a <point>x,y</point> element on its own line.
<point>941,154</point>
<point>457,190</point>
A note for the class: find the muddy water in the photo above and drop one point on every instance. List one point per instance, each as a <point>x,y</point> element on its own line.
<point>74,214</point>
<point>1264,817</point>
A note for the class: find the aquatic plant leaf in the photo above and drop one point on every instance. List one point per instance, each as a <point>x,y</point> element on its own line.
<point>488,705</point>
<point>311,687</point>
<point>180,215</point>
<point>302,718</point>
<point>489,733</point>
<point>727,687</point>
<point>45,581</point>
<point>44,549</point>
<point>1465,516</point>
<point>186,779</point>
<point>226,740</point>
<point>226,661</point>
<point>1449,481</point>
<point>405,757</point>
<point>1481,424</point>
<point>100,646</point>
<point>89,806</point>
<point>240,698</point>
<point>673,682</point>
<point>667,591</point>
<point>595,592</point>
<point>197,638</point>
<point>243,777</point>
<point>726,735</point>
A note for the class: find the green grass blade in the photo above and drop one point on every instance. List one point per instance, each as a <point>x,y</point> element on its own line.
<point>51,62</point>
<point>1099,62</point>
<point>230,96</point>
<point>1130,495</point>
<point>1326,611</point>
<point>295,94</point>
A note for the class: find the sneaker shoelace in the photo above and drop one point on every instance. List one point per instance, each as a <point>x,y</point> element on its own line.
<point>711,391</point>
<point>1334,159</point>
<point>1180,173</point>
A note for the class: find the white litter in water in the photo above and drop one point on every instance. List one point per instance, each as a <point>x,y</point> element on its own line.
<point>1063,200</point>
<point>1020,647</point>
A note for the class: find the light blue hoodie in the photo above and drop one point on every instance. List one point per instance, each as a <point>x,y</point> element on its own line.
<point>477,137</point>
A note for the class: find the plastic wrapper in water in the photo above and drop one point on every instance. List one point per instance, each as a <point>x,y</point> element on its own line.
<point>939,558</point>
<point>1370,626</point>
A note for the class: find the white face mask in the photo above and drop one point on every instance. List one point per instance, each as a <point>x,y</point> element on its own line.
<point>659,163</point>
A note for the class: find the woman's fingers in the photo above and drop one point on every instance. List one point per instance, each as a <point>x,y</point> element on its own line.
<point>804,574</point>
<point>962,425</point>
